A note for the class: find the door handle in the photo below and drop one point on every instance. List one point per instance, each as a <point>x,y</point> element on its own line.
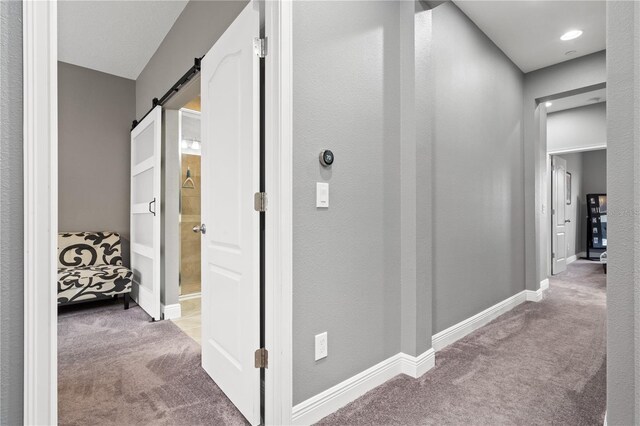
<point>154,206</point>
<point>567,220</point>
<point>200,228</point>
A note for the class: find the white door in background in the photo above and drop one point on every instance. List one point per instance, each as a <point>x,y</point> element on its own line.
<point>230,94</point>
<point>145,212</point>
<point>559,216</point>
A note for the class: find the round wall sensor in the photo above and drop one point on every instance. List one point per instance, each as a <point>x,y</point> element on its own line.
<point>326,157</point>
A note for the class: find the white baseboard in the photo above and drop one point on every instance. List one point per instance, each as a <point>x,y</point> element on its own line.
<point>536,296</point>
<point>315,408</point>
<point>572,259</point>
<point>581,255</point>
<point>416,366</point>
<point>533,295</point>
<point>190,296</point>
<point>458,331</point>
<point>171,311</point>
<point>544,284</point>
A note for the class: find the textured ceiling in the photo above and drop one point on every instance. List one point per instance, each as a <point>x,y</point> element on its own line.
<point>528,32</point>
<point>116,37</point>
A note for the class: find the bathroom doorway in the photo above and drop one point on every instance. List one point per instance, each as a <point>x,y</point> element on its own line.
<point>188,203</point>
<point>190,154</point>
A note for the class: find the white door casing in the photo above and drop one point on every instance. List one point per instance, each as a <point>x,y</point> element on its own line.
<point>559,217</point>
<point>40,32</point>
<point>230,95</point>
<point>146,156</point>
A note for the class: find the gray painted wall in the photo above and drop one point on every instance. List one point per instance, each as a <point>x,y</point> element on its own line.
<point>11,215</point>
<point>346,259</point>
<point>547,83</point>
<point>478,168</point>
<point>423,122</point>
<point>623,281</point>
<point>577,128</point>
<point>197,28</point>
<point>594,176</point>
<point>95,111</point>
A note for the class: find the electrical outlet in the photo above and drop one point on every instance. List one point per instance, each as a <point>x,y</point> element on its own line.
<point>321,346</point>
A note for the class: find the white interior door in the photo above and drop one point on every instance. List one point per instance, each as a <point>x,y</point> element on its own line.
<point>230,246</point>
<point>145,212</point>
<point>559,216</point>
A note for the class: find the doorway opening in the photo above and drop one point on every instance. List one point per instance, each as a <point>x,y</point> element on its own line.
<point>210,282</point>
<point>576,179</point>
<point>190,221</point>
<point>41,103</point>
<point>190,165</point>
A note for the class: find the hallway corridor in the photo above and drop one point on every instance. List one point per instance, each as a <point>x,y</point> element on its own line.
<point>541,363</point>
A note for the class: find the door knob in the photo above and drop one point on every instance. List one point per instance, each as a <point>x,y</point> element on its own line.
<point>200,228</point>
<point>567,220</point>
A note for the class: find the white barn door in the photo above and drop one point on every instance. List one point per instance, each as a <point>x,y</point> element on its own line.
<point>230,93</point>
<point>559,216</point>
<point>146,156</point>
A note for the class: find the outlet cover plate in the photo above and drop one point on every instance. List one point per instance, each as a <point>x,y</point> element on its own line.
<point>321,346</point>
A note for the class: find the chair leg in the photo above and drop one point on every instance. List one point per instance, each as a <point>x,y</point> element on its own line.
<point>126,301</point>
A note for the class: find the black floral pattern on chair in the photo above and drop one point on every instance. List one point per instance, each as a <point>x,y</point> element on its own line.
<point>90,267</point>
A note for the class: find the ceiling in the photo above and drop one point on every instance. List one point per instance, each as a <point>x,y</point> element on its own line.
<point>529,31</point>
<point>116,37</point>
<point>575,101</point>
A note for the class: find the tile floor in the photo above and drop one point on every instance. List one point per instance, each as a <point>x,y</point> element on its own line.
<point>189,322</point>
<point>190,287</point>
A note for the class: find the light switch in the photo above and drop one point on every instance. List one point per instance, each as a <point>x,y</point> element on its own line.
<point>322,194</point>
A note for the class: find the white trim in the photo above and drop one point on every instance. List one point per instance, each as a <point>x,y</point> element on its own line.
<point>416,366</point>
<point>314,409</point>
<point>317,407</point>
<point>458,331</point>
<point>40,135</point>
<point>190,296</point>
<point>40,211</point>
<point>279,221</point>
<point>572,259</point>
<point>536,296</point>
<point>170,312</point>
<point>533,295</point>
<point>582,255</point>
<point>578,149</point>
<point>544,284</point>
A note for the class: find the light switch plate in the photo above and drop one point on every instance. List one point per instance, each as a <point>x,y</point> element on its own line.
<point>321,346</point>
<point>322,194</point>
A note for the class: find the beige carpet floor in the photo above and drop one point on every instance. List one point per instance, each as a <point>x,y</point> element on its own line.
<point>117,368</point>
<point>539,364</point>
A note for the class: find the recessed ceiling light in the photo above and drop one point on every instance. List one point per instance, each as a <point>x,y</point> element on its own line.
<point>548,104</point>
<point>570,35</point>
